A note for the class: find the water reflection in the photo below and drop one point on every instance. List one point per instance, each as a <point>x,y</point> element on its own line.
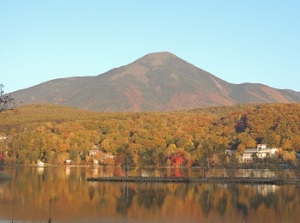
<point>64,195</point>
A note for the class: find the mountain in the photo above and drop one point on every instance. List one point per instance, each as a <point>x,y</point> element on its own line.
<point>156,82</point>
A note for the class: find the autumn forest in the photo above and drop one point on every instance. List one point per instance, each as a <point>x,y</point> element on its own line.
<point>53,134</point>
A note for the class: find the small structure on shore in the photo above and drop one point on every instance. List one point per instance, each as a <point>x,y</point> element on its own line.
<point>261,152</point>
<point>40,163</point>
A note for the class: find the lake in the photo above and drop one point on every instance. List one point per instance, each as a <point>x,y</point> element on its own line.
<point>63,194</point>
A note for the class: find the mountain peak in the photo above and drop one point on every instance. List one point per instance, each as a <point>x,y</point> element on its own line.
<point>158,81</point>
<point>163,54</point>
<point>157,58</point>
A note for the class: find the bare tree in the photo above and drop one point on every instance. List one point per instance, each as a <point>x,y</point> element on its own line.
<point>6,101</point>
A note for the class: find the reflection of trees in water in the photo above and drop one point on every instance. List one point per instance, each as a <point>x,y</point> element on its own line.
<point>91,192</point>
<point>205,202</point>
<point>107,198</point>
<point>124,202</point>
<point>207,199</point>
<point>288,195</point>
<point>212,197</point>
<point>233,189</point>
<point>151,198</point>
<point>102,190</point>
<point>148,196</point>
<point>272,201</point>
<point>222,205</point>
<point>256,201</point>
<point>182,190</point>
<point>242,209</point>
<point>248,198</point>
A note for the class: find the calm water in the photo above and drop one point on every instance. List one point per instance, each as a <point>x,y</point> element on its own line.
<point>63,194</point>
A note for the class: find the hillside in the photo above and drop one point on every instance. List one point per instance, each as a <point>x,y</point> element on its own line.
<point>155,82</point>
<point>54,134</point>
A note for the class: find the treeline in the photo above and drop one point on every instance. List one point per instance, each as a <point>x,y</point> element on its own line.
<point>53,134</point>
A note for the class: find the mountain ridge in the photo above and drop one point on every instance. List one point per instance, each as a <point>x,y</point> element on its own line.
<point>155,82</point>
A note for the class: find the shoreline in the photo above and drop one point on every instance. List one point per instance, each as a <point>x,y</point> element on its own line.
<point>249,180</point>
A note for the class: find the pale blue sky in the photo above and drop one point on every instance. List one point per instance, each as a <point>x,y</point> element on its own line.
<point>238,41</point>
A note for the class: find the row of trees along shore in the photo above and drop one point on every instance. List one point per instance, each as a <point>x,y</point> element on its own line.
<point>54,134</point>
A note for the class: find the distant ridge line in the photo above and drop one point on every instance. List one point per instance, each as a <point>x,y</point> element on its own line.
<point>155,82</point>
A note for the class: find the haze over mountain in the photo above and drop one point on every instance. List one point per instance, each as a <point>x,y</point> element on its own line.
<point>155,82</point>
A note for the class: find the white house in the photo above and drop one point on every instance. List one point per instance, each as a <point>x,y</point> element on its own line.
<point>261,151</point>
<point>40,163</point>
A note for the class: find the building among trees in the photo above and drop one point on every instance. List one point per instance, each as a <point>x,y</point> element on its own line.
<point>261,151</point>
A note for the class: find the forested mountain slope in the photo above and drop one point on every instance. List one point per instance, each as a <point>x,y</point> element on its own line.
<point>54,134</point>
